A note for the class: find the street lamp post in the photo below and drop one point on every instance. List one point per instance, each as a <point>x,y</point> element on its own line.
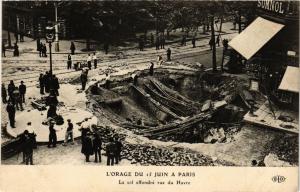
<point>50,39</point>
<point>56,29</point>
<point>50,45</point>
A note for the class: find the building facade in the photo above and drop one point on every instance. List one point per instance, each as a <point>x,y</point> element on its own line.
<point>270,45</point>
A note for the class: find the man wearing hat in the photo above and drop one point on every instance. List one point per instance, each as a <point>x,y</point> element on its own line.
<point>30,130</point>
<point>97,145</point>
<point>85,127</point>
<point>10,108</point>
<point>27,147</point>
<point>22,90</point>
<point>52,134</point>
<point>69,133</point>
<point>111,151</point>
<point>89,61</point>
<point>119,146</point>
<point>83,78</point>
<point>87,146</point>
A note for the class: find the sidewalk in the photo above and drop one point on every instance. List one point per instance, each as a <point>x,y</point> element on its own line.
<point>264,117</point>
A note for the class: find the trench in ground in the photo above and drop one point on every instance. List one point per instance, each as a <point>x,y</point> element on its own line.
<point>157,106</point>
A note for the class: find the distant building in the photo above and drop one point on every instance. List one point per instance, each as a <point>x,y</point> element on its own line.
<point>30,18</point>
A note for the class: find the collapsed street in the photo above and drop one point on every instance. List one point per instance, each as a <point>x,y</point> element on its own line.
<point>187,100</point>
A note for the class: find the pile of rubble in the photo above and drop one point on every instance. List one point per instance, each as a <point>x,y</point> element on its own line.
<point>149,155</point>
<point>107,71</point>
<point>143,154</point>
<point>286,148</point>
<point>121,64</point>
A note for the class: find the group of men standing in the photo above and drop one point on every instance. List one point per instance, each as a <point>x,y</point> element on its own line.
<point>28,143</point>
<point>16,98</point>
<point>160,41</point>
<point>48,82</point>
<point>113,151</point>
<point>90,59</point>
<point>92,145</point>
<point>42,49</point>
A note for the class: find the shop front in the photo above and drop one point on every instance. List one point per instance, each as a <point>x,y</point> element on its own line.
<point>270,45</point>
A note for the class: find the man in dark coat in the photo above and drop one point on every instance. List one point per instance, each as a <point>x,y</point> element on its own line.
<point>89,62</point>
<point>44,49</point>
<point>169,54</point>
<point>40,49</point>
<point>218,41</point>
<point>87,146</point>
<point>10,88</point>
<point>47,82</point>
<point>3,49</point>
<point>27,147</point>
<point>22,90</point>
<point>194,41</point>
<point>16,99</point>
<point>119,146</point>
<point>38,42</point>
<point>151,69</point>
<point>69,62</point>
<point>3,93</point>
<point>52,102</point>
<point>95,60</point>
<point>55,84</point>
<point>42,83</point>
<point>16,50</point>
<point>52,135</point>
<point>111,151</point>
<point>97,144</point>
<point>211,43</point>
<point>107,81</point>
<point>10,108</point>
<point>72,48</point>
<point>21,36</point>
<point>83,78</point>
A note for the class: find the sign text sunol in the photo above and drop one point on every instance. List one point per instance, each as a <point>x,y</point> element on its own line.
<point>270,5</point>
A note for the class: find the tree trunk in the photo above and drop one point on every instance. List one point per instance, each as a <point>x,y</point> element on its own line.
<point>214,59</point>
<point>221,23</point>
<point>9,40</point>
